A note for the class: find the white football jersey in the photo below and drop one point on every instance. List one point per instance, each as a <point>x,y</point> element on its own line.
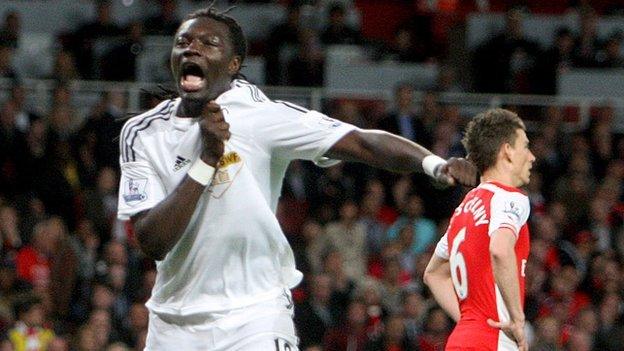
<point>233,252</point>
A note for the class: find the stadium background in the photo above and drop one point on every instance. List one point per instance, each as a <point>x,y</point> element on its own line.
<point>72,277</point>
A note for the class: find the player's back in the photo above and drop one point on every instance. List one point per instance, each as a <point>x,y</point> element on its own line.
<point>484,209</point>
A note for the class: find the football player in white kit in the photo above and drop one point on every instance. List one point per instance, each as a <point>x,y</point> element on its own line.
<point>200,179</point>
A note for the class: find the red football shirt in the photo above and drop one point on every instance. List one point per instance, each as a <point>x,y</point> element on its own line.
<point>485,209</point>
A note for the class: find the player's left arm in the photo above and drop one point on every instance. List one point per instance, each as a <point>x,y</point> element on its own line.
<point>394,153</point>
<point>437,277</point>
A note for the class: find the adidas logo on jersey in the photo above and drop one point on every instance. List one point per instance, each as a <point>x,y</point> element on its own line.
<point>180,163</point>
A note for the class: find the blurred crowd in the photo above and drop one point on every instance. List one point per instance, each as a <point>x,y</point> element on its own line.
<point>294,51</point>
<point>73,278</point>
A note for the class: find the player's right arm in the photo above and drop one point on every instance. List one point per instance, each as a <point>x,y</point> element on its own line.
<point>438,279</point>
<point>159,228</point>
<point>505,268</point>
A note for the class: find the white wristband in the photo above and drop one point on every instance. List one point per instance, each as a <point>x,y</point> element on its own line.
<point>201,172</point>
<point>431,164</point>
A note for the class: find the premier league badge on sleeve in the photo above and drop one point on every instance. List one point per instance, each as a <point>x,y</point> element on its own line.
<point>134,191</point>
<point>511,208</point>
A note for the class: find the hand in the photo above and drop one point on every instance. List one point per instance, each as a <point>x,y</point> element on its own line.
<point>514,330</point>
<point>458,170</point>
<point>215,131</point>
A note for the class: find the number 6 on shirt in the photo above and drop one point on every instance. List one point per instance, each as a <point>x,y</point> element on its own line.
<point>458,264</point>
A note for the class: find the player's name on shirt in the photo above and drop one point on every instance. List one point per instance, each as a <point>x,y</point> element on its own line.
<point>477,208</point>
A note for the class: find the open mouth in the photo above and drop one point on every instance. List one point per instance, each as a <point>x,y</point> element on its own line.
<point>192,78</point>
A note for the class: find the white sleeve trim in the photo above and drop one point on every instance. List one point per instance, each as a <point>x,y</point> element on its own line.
<point>441,249</point>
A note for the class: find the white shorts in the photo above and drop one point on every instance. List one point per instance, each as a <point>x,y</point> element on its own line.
<point>261,327</point>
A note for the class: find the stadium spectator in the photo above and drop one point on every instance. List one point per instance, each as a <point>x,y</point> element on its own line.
<point>7,69</point>
<point>120,62</point>
<point>558,59</point>
<point>505,63</point>
<point>86,37</point>
<point>587,43</point>
<point>348,236</point>
<point>64,67</point>
<point>104,125</point>
<point>402,120</point>
<point>24,115</point>
<point>548,335</point>
<point>351,334</point>
<point>403,48</point>
<point>165,22</point>
<point>337,31</point>
<point>436,330</point>
<point>11,29</point>
<point>281,42</point>
<point>30,331</point>
<point>315,316</point>
<point>100,204</point>
<point>424,229</point>
<point>393,337</point>
<point>306,67</point>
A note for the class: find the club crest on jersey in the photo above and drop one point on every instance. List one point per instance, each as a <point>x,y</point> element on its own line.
<point>134,191</point>
<point>228,168</point>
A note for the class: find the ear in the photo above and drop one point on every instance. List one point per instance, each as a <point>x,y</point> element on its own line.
<point>506,151</point>
<point>234,65</point>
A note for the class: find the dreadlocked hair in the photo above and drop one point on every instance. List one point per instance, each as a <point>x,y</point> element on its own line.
<point>236,32</point>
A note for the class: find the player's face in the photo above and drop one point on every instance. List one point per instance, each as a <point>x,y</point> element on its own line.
<point>202,59</point>
<point>521,159</point>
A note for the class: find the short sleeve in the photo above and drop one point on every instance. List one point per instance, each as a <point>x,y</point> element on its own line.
<point>291,132</point>
<point>508,210</point>
<point>140,186</point>
<point>441,249</point>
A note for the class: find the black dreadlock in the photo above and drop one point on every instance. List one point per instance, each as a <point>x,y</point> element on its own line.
<point>236,32</point>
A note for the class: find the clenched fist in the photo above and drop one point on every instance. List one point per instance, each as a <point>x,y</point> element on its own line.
<point>458,170</point>
<point>214,131</point>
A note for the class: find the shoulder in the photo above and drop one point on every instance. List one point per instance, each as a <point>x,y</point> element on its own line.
<point>147,120</point>
<point>162,111</point>
<point>144,123</point>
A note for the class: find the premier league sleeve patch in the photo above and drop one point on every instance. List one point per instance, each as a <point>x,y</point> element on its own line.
<point>134,191</point>
<point>513,210</point>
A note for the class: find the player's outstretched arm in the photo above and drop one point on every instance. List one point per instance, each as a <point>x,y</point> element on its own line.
<point>393,153</point>
<point>159,228</point>
<point>437,277</point>
<point>505,268</point>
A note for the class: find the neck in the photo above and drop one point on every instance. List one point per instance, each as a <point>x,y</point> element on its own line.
<point>194,107</point>
<point>498,175</point>
<point>191,108</point>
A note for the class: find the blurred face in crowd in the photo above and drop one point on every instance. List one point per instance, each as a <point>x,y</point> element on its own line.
<point>116,253</point>
<point>414,208</point>
<point>548,330</point>
<point>138,317</point>
<point>395,330</point>
<point>414,305</point>
<point>58,344</point>
<point>356,314</point>
<point>321,288</point>
<point>349,211</point>
<point>405,97</point>
<point>514,23</point>
<point>34,317</point>
<point>102,297</point>
<point>437,321</point>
